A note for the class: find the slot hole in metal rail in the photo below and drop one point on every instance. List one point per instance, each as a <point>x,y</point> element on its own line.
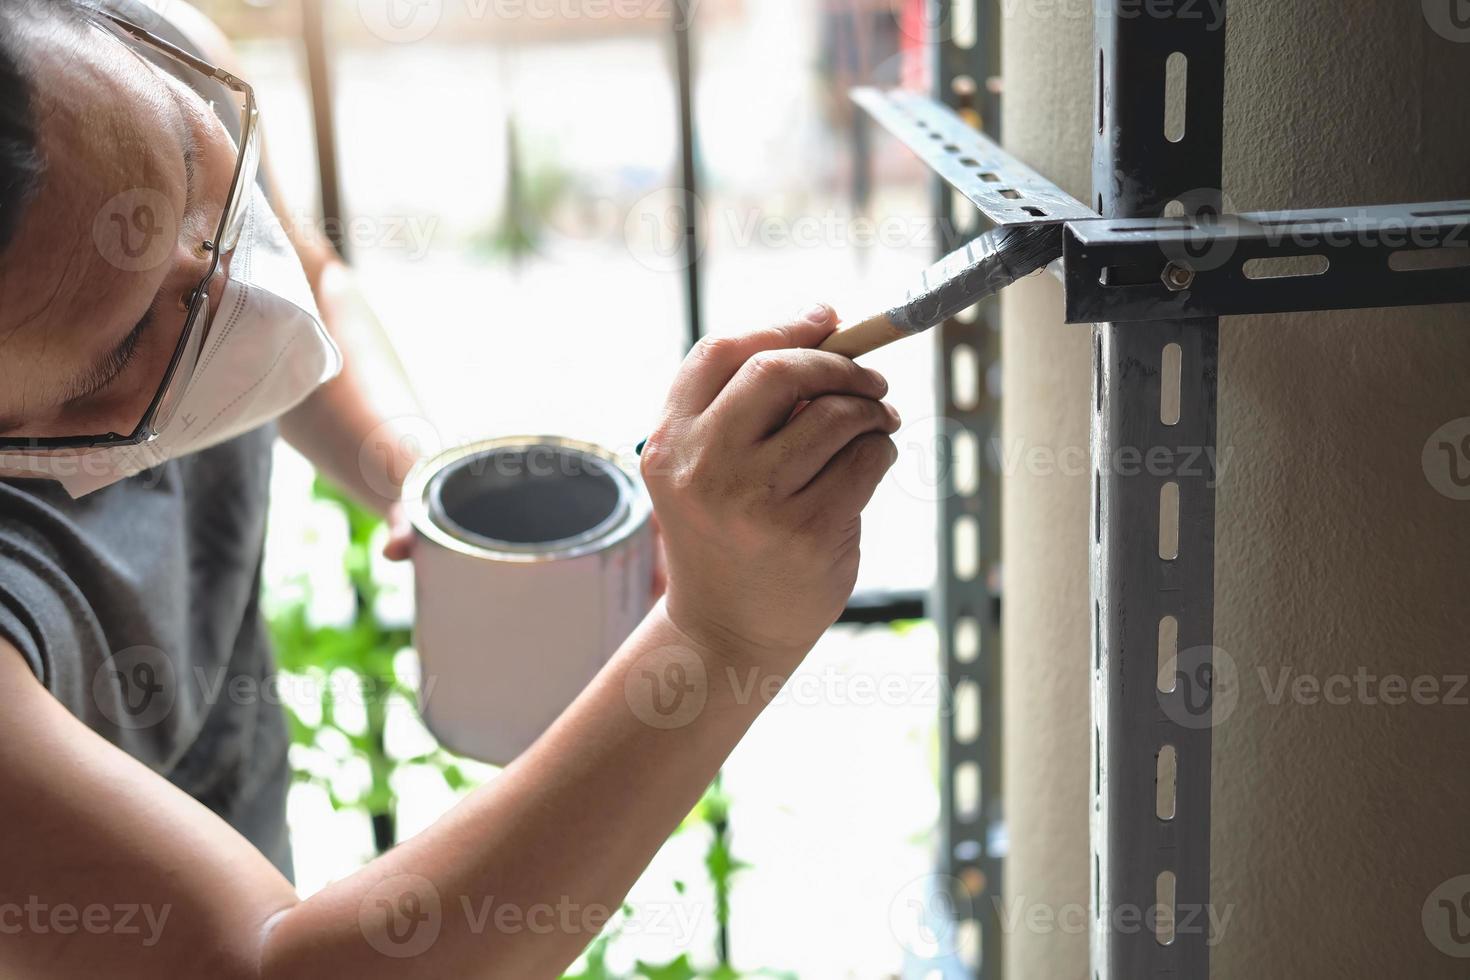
<point>1165,781</point>
<point>1097,506</point>
<point>1097,887</point>
<point>990,178</point>
<point>1096,768</point>
<point>966,544</point>
<point>964,380</point>
<point>965,463</point>
<point>1097,636</point>
<point>965,17</point>
<point>966,639</point>
<point>1130,275</point>
<point>1168,678</point>
<point>1102,102</point>
<point>966,712</point>
<point>1287,267</point>
<point>1010,194</point>
<point>1097,369</point>
<point>1169,521</point>
<point>1425,259</point>
<point>1300,224</point>
<point>1164,890</point>
<point>1034,212</point>
<point>1176,96</point>
<point>967,792</point>
<point>1441,214</point>
<point>1173,362</point>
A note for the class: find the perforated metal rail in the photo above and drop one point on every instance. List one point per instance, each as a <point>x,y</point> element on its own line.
<point>1155,287</point>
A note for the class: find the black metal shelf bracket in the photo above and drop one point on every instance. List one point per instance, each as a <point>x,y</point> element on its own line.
<point>1272,262</point>
<point>1153,268</point>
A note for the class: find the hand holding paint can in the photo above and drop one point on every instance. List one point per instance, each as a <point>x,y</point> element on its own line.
<point>534,562</point>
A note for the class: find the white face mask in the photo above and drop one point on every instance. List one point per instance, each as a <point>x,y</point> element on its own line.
<point>265,352</point>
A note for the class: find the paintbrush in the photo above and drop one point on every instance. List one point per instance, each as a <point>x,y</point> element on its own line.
<point>953,284</point>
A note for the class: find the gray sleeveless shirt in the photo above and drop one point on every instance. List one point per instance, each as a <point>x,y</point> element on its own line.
<point>138,607</point>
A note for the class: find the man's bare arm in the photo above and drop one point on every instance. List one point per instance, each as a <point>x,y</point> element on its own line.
<point>760,511</point>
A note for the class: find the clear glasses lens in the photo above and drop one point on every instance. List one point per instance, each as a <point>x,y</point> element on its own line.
<point>194,331</point>
<point>234,216</point>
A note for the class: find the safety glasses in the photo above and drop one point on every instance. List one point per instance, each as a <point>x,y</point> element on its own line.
<point>181,366</point>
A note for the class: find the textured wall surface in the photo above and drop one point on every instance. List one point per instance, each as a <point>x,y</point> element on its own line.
<point>1339,563</point>
<point>1046,380</point>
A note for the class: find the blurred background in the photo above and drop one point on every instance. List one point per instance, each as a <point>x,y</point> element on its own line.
<point>509,174</point>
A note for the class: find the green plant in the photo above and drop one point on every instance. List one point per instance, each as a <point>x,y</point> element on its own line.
<point>367,650</point>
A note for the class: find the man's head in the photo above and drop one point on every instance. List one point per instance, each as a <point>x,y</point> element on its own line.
<point>113,175</point>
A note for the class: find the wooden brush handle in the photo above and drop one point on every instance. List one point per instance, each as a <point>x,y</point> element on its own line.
<point>865,337</point>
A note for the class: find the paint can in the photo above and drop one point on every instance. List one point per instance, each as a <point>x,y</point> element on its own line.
<point>534,561</point>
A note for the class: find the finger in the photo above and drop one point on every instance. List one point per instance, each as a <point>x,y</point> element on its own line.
<point>766,390</point>
<point>399,546</point>
<point>847,482</point>
<point>715,360</point>
<point>820,431</point>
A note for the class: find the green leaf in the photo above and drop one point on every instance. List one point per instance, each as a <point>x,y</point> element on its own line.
<point>677,970</point>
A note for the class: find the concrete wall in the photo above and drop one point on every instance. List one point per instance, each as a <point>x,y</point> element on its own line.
<point>1336,555</point>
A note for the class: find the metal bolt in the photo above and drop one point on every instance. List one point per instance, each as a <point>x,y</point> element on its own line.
<point>1178,277</point>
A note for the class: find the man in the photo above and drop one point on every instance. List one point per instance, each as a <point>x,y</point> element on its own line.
<point>149,335</point>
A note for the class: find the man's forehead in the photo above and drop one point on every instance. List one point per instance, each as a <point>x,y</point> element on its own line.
<point>92,246</point>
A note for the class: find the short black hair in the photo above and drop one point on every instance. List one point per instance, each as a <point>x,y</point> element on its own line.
<point>21,163</point>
